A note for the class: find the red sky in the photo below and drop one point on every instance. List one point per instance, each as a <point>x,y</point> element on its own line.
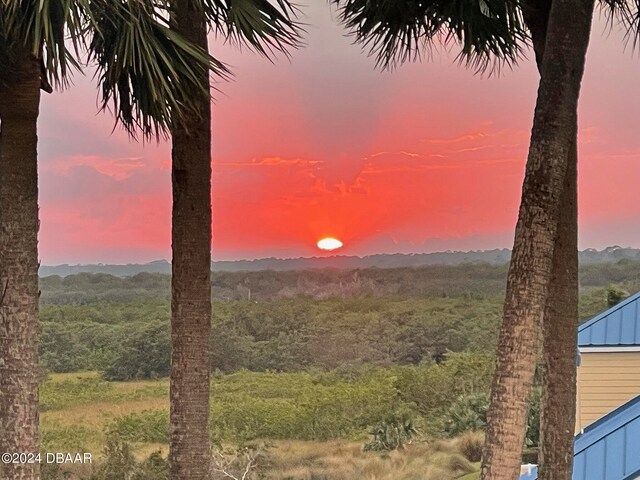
<point>428,157</point>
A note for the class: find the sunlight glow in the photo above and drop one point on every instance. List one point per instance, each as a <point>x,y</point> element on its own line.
<point>329,244</point>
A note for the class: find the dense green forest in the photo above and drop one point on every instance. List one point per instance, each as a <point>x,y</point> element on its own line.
<point>292,321</point>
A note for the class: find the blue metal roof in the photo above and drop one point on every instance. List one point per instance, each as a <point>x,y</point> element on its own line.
<point>618,326</point>
<point>608,449</point>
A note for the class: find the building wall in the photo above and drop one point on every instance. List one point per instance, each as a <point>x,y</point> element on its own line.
<point>606,380</point>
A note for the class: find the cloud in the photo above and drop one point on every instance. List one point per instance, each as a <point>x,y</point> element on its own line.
<point>117,168</point>
<point>268,162</point>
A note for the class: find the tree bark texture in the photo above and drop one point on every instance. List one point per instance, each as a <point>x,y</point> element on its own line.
<point>191,270</point>
<point>19,223</point>
<point>567,38</point>
<point>559,337</point>
<point>560,321</point>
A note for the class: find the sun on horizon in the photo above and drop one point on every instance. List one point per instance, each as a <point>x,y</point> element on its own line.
<point>329,243</point>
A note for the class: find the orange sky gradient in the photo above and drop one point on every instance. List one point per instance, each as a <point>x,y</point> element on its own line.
<point>428,157</point>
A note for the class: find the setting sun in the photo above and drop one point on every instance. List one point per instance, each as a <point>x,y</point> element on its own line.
<point>329,244</point>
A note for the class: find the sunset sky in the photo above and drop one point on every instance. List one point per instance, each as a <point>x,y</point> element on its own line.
<point>429,157</point>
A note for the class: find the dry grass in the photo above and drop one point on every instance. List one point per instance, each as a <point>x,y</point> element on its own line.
<point>98,414</point>
<point>342,460</point>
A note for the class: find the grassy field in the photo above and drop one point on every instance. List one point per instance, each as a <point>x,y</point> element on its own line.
<point>279,410</point>
<point>80,409</point>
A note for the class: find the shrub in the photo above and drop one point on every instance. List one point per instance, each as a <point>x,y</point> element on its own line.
<point>392,433</point>
<point>155,467</point>
<point>144,355</point>
<point>147,426</point>
<point>120,464</point>
<point>615,295</point>
<point>433,388</point>
<point>470,445</point>
<point>468,413</point>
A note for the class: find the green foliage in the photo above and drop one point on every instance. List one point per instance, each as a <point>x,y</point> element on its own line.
<point>87,389</point>
<point>67,438</point>
<point>468,413</point>
<point>615,295</point>
<point>392,433</point>
<point>151,426</point>
<point>297,320</point>
<point>90,337</point>
<point>246,406</point>
<point>433,388</point>
<point>471,280</point>
<point>155,467</point>
<point>296,406</point>
<point>623,271</point>
<point>89,288</point>
<point>130,340</point>
<point>120,464</point>
<point>83,390</point>
<point>533,418</point>
<point>144,354</point>
<point>332,364</point>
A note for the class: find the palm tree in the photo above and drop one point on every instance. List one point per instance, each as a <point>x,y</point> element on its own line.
<point>147,74</point>
<point>18,268</point>
<point>560,320</point>
<point>543,273</point>
<point>265,27</point>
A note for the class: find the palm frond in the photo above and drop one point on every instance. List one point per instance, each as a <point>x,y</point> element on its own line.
<point>147,72</point>
<point>47,28</point>
<point>266,26</point>
<point>627,14</point>
<point>488,32</point>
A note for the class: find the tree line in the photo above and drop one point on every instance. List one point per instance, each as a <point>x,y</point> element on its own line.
<point>436,280</point>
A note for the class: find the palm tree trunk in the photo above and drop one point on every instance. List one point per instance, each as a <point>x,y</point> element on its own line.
<point>191,269</point>
<point>561,312</point>
<point>536,232</point>
<point>558,413</point>
<point>19,107</point>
